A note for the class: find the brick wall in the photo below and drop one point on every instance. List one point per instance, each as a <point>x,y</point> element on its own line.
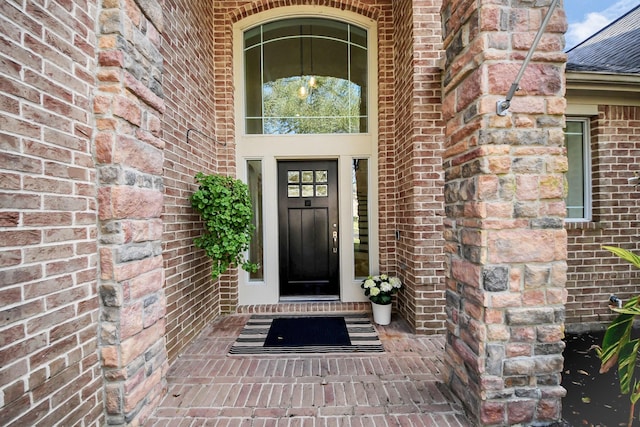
<point>188,49</point>
<point>49,367</point>
<point>387,197</point>
<point>419,136</point>
<point>594,274</point>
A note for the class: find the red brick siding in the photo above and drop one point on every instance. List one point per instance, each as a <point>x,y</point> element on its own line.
<point>594,274</point>
<point>191,98</point>
<point>49,365</point>
<point>419,136</point>
<point>225,120</point>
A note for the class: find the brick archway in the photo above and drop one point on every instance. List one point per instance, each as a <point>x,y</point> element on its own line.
<point>251,8</point>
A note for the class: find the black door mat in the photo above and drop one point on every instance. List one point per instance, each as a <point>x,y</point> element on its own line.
<point>361,335</point>
<point>307,331</point>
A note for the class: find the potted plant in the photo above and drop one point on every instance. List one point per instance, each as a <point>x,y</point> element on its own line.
<point>379,290</point>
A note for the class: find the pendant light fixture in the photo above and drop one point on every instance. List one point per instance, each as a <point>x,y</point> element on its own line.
<point>306,85</point>
<point>302,90</point>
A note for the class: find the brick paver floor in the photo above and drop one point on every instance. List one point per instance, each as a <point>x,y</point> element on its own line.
<point>400,387</point>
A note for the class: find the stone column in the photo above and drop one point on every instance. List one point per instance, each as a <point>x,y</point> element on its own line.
<point>128,108</point>
<point>504,211</point>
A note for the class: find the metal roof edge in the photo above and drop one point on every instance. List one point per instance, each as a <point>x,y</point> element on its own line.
<point>597,78</point>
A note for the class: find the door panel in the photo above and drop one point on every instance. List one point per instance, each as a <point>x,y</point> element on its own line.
<point>308,228</point>
<point>308,225</point>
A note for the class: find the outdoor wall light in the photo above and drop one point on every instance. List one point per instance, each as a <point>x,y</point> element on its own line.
<point>615,301</point>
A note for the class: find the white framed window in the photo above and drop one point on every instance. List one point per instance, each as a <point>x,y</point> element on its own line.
<point>578,198</point>
<point>256,246</point>
<point>361,232</point>
<point>306,75</point>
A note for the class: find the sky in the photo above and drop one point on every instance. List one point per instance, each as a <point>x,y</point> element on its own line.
<point>586,17</point>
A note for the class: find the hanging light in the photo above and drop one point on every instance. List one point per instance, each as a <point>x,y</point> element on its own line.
<point>306,85</point>
<point>312,79</point>
<point>302,91</point>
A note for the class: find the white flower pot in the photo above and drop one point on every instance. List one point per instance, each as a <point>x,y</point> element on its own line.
<point>381,313</point>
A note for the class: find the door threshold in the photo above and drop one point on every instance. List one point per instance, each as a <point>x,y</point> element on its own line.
<point>310,298</point>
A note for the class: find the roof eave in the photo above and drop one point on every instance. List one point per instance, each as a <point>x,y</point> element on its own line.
<point>603,81</point>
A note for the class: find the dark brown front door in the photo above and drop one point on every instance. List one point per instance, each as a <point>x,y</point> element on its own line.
<point>308,228</point>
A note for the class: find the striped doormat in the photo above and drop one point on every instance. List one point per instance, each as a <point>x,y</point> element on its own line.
<point>362,335</point>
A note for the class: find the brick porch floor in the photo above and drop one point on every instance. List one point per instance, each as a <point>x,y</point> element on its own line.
<point>397,388</point>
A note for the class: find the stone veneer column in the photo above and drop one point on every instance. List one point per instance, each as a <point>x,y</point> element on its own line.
<point>504,203</point>
<point>129,155</point>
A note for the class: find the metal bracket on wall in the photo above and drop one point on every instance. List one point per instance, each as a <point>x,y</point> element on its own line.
<point>211,138</point>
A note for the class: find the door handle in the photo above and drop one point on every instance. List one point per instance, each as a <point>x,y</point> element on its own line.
<point>335,242</point>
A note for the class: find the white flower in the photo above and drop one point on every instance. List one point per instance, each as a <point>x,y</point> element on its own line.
<point>381,287</point>
<point>395,282</point>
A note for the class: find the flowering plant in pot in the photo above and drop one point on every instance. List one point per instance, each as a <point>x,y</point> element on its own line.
<point>379,290</point>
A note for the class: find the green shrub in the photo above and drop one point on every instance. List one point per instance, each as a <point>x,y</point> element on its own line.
<point>225,208</point>
<point>617,345</point>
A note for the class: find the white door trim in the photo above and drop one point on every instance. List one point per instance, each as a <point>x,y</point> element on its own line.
<point>343,147</point>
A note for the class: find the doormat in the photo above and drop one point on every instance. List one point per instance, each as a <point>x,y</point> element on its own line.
<point>290,334</point>
<point>307,331</point>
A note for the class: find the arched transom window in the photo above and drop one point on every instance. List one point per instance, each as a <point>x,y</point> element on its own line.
<point>305,76</point>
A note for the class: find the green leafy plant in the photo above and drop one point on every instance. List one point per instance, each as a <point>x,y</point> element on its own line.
<point>225,207</point>
<point>618,345</point>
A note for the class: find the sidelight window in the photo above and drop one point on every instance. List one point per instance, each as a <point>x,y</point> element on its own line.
<point>360,189</point>
<point>256,246</point>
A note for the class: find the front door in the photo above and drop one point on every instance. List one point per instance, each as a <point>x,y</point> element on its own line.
<point>308,228</point>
